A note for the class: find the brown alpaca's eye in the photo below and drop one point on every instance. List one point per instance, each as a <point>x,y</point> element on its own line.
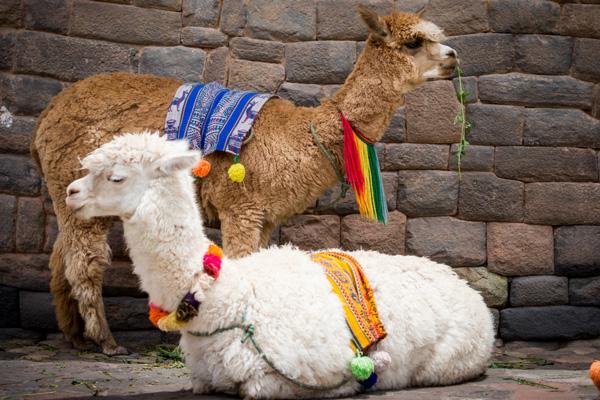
<point>415,44</point>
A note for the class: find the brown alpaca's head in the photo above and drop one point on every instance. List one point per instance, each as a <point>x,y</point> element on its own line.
<point>406,49</point>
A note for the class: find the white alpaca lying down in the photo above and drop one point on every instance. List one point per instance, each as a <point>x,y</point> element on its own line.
<point>439,329</point>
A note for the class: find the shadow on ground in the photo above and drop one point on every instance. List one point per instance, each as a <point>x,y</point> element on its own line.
<point>51,369</point>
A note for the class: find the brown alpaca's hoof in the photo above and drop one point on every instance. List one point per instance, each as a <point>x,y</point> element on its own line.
<point>115,350</point>
<point>80,344</point>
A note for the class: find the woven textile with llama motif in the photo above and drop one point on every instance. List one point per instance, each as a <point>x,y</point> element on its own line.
<point>213,118</point>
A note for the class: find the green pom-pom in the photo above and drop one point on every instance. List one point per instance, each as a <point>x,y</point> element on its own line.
<point>362,367</point>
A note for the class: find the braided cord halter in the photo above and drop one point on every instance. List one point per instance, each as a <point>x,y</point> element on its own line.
<point>344,185</point>
<point>248,330</point>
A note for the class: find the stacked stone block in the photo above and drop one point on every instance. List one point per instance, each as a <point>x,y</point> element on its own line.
<point>521,222</point>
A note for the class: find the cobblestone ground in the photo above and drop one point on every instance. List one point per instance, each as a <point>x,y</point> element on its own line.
<point>50,369</point>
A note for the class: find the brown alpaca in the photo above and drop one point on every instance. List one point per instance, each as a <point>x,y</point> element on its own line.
<point>286,171</point>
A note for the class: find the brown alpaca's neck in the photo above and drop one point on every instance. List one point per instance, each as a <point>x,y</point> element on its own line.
<point>369,98</point>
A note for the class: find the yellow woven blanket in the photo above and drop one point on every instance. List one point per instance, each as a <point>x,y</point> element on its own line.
<point>352,287</point>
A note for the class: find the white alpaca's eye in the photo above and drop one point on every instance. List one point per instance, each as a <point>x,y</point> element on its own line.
<point>116,179</point>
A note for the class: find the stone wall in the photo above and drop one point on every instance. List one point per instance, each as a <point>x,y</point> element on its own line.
<point>522,223</point>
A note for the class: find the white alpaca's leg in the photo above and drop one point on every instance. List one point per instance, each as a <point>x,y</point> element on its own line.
<point>271,386</point>
<point>463,353</point>
<point>200,385</point>
<point>201,377</point>
<point>268,386</point>
<point>443,369</point>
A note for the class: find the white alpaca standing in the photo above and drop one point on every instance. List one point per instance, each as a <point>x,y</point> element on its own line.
<point>439,329</point>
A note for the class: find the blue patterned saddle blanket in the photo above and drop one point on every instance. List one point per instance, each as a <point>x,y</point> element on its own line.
<point>212,117</point>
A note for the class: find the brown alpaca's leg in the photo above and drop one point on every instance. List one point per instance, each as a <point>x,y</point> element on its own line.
<point>265,234</point>
<point>67,313</point>
<point>86,256</point>
<point>241,232</point>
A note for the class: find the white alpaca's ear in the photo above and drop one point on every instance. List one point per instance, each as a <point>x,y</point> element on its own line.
<point>177,162</point>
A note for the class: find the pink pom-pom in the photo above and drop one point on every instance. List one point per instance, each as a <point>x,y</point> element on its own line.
<point>212,265</point>
<point>381,360</point>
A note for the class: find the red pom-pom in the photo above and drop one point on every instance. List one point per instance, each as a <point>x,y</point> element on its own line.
<point>212,265</point>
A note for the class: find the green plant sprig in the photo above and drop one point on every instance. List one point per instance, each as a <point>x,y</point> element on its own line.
<point>523,381</point>
<point>170,354</point>
<point>461,119</point>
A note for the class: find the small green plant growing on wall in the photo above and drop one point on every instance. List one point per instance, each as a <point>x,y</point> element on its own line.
<point>461,119</point>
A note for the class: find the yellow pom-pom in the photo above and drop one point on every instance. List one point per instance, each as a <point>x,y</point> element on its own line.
<point>237,172</point>
<point>170,323</point>
<point>202,168</point>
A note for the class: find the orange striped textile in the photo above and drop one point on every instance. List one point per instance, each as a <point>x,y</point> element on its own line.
<point>350,284</point>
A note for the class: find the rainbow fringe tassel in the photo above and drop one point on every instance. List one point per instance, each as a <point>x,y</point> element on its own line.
<point>362,172</point>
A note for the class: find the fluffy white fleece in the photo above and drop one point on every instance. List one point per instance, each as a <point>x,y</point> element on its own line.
<point>439,329</point>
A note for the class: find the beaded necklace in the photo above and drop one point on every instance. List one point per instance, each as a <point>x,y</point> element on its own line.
<point>188,306</point>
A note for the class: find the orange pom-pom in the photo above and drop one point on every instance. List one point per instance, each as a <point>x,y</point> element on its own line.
<point>216,250</point>
<point>202,169</point>
<point>155,314</point>
<point>595,373</point>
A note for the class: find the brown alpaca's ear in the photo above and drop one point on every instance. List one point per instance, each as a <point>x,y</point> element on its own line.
<point>375,26</point>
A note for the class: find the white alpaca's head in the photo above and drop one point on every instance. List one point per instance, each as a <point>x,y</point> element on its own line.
<point>121,171</point>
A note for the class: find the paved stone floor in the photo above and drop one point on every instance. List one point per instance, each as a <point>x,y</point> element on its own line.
<point>49,369</point>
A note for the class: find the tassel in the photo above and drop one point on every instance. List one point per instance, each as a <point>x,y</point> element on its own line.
<point>212,265</point>
<point>369,382</point>
<point>351,160</point>
<point>363,174</point>
<point>187,308</point>
<point>155,314</point>
<point>237,171</point>
<point>202,169</point>
<point>170,323</point>
<point>382,360</point>
<point>214,249</point>
<point>362,367</point>
<point>212,261</point>
<point>377,185</point>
